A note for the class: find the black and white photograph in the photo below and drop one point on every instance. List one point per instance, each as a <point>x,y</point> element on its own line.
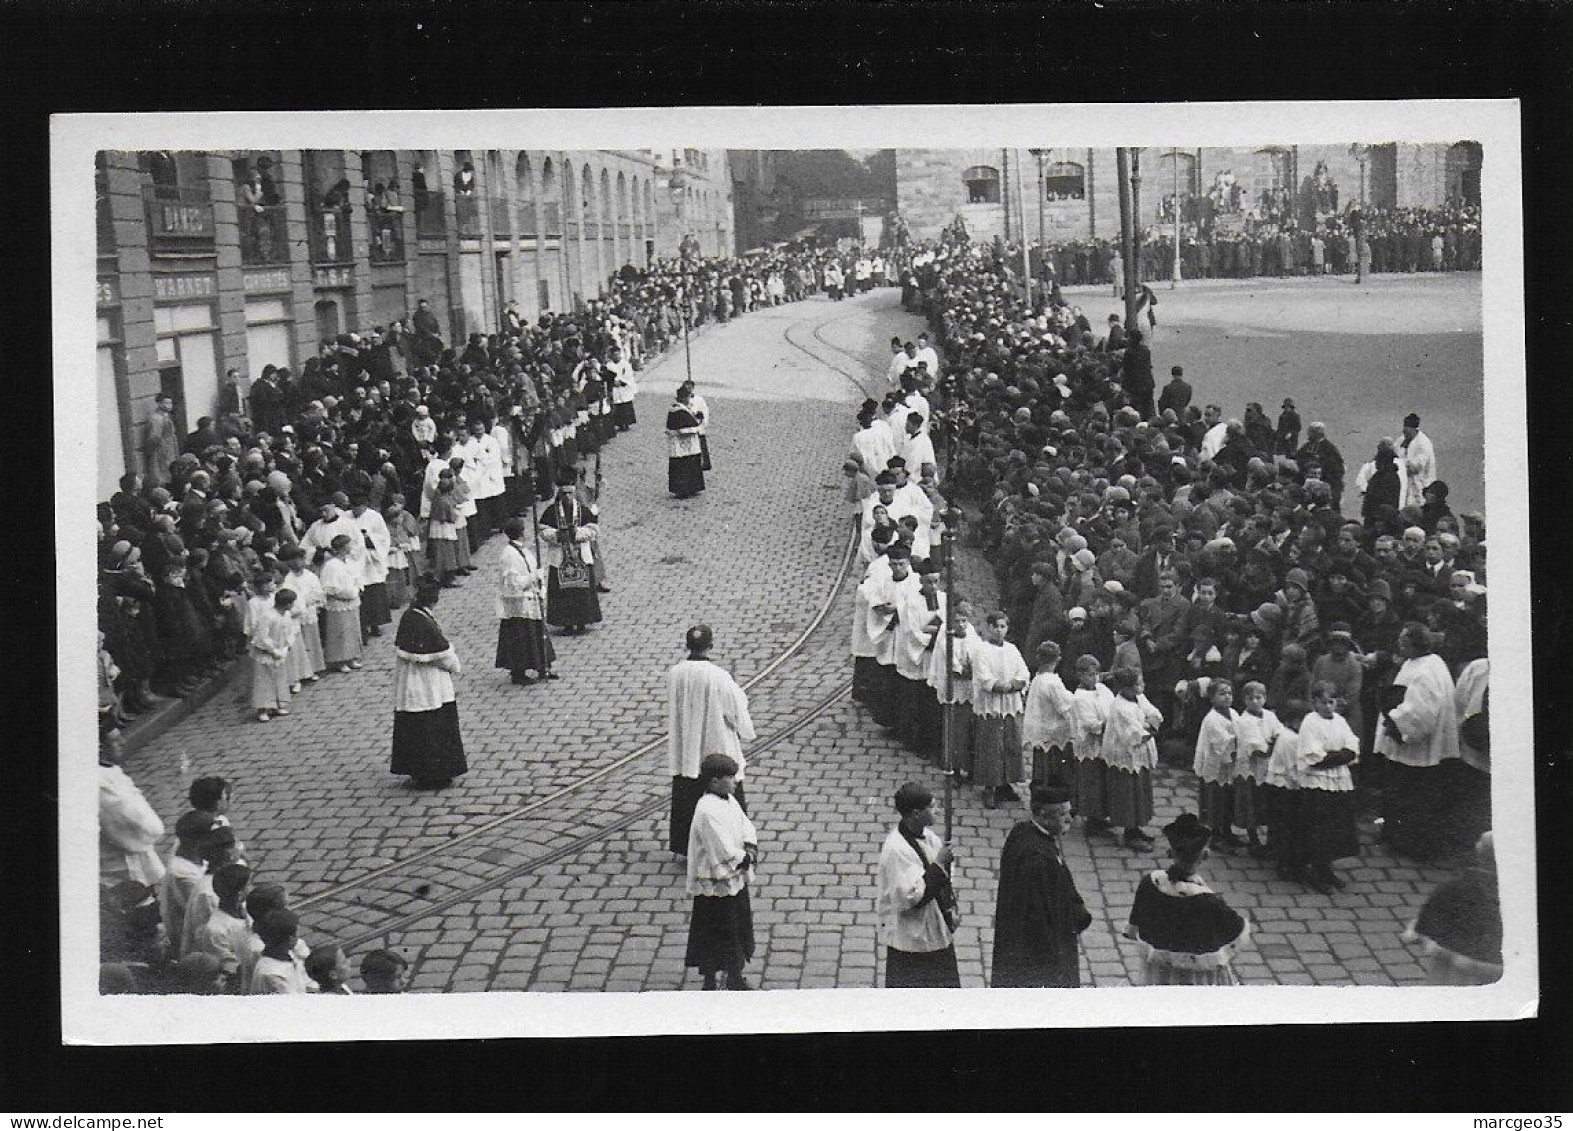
<point>547,565</point>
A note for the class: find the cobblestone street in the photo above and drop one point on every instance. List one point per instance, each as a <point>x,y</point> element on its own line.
<point>579,892</point>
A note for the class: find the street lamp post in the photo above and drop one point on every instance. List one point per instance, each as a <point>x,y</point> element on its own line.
<point>1026,267</point>
<point>678,185</point>
<point>1136,210</point>
<point>1042,156</point>
<point>1122,157</point>
<point>1174,275</point>
<point>1361,154</point>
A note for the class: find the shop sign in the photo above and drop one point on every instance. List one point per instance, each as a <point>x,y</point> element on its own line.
<point>266,282</point>
<point>174,288</point>
<point>334,277</point>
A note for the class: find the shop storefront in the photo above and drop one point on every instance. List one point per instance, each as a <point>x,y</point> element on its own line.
<point>268,321</point>
<point>185,323</point>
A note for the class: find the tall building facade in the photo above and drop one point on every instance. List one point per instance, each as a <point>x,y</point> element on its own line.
<point>212,265</point>
<point>1055,194</point>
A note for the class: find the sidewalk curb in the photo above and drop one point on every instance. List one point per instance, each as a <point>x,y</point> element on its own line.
<point>155,724</point>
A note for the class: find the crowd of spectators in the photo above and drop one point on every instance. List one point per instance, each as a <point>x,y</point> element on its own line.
<point>343,463</point>
<point>1193,552</point>
<point>1399,240</point>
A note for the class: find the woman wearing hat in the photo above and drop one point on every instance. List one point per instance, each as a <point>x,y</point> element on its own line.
<point>1187,933</point>
<point>427,745</point>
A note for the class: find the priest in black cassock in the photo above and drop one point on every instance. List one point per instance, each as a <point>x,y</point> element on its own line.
<point>685,475</point>
<point>1038,913</point>
<point>427,745</point>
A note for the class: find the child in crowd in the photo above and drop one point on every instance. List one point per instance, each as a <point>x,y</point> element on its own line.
<point>443,533</point>
<point>1127,654</point>
<point>1090,706</point>
<point>1325,823</point>
<point>306,662</point>
<point>329,968</point>
<point>1130,754</point>
<point>1257,731</point>
<point>404,548</point>
<point>464,510</point>
<point>1046,725</point>
<point>270,635</point>
<point>1214,765</point>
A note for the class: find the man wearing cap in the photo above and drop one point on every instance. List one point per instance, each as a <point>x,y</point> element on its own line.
<point>916,903</point>
<point>1176,395</point>
<point>161,442</point>
<point>706,713</point>
<point>1038,912</point>
<point>1157,558</point>
<point>1419,459</point>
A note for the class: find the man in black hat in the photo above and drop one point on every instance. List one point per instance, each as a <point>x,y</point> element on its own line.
<point>1038,913</point>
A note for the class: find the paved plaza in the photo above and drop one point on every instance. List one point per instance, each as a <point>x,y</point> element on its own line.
<point>525,876</point>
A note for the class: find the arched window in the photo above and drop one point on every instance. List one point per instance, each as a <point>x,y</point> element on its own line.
<point>1463,173</point>
<point>606,196</point>
<point>622,200</point>
<point>1064,180</point>
<point>587,193</point>
<point>548,180</point>
<point>983,184</point>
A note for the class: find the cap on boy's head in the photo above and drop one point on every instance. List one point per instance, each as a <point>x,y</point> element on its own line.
<point>911,797</point>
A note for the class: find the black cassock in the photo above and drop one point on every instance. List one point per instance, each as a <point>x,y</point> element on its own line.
<point>427,745</point>
<point>1038,914</point>
<point>685,475</point>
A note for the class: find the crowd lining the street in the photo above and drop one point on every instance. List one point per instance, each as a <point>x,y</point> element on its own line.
<point>1397,240</point>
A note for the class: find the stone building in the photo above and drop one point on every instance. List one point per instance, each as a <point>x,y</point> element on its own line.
<point>200,277</point>
<point>1073,193</point>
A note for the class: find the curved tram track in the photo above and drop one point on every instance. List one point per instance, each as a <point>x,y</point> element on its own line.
<point>391,898</point>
